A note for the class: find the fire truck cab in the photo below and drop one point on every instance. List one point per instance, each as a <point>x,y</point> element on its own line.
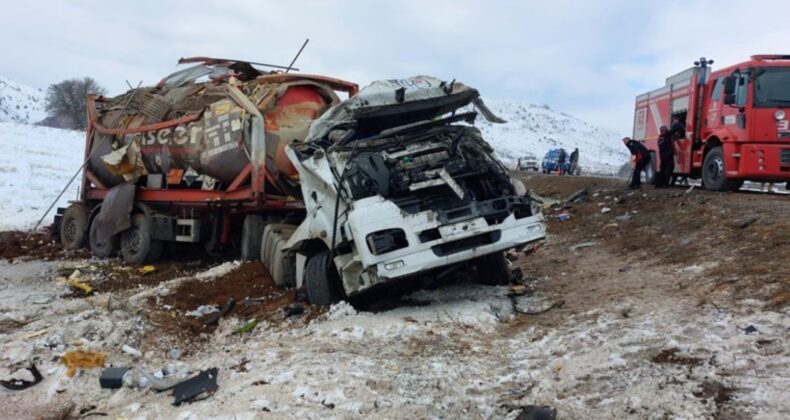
<point>736,122</point>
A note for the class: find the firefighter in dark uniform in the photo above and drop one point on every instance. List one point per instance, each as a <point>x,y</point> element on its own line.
<point>641,158</point>
<point>677,131</point>
<point>666,151</point>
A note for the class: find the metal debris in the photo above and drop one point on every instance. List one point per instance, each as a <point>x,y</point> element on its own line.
<point>20,384</point>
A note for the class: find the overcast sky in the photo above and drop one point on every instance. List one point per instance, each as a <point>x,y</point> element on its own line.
<point>587,58</point>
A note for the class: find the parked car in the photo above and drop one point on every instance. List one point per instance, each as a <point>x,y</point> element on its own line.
<point>550,161</point>
<point>528,163</point>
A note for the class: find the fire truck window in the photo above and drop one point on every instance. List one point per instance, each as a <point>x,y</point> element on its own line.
<point>740,91</point>
<point>717,88</point>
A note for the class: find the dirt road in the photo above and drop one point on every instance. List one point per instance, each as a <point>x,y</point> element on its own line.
<point>648,304</point>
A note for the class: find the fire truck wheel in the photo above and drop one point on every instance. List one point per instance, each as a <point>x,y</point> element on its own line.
<point>714,173</point>
<point>321,280</point>
<point>74,226</point>
<point>492,269</point>
<point>251,234</point>
<point>102,249</point>
<point>136,241</point>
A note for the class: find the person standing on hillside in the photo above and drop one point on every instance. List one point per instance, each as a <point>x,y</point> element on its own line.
<point>561,159</point>
<point>574,161</point>
<point>666,151</point>
<point>640,157</point>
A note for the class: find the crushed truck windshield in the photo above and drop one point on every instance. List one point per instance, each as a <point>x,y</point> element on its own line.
<point>772,87</point>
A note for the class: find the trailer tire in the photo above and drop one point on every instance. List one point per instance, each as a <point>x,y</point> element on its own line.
<point>136,241</point>
<point>74,227</point>
<point>103,249</point>
<point>492,269</point>
<point>714,173</point>
<point>322,281</point>
<point>251,234</point>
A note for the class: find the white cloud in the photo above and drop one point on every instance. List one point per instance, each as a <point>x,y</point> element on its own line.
<point>586,58</point>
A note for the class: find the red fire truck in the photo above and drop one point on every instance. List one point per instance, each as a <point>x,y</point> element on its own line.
<point>735,120</point>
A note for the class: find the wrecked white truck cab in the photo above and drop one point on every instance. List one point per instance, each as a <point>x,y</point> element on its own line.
<point>397,182</point>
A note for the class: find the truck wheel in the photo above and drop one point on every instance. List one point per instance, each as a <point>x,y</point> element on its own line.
<point>136,241</point>
<point>101,249</point>
<point>251,234</point>
<point>321,280</point>
<point>714,175</point>
<point>492,269</point>
<point>650,170</point>
<point>74,226</point>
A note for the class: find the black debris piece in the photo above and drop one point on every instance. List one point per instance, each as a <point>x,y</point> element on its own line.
<point>293,310</point>
<point>20,384</point>
<point>205,383</point>
<point>536,412</point>
<point>750,329</point>
<point>112,377</point>
<point>214,318</point>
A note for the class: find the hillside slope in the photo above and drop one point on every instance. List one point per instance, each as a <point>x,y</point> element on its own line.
<point>20,103</point>
<point>537,128</point>
<point>35,164</point>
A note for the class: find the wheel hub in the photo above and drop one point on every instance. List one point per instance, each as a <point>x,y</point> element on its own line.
<point>716,168</point>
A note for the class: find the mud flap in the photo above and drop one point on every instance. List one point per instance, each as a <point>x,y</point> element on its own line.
<point>115,213</point>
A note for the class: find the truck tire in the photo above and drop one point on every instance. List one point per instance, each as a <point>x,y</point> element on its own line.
<point>103,249</point>
<point>492,269</point>
<point>714,174</point>
<point>650,170</point>
<point>74,226</point>
<point>251,233</point>
<point>136,241</point>
<point>322,281</point>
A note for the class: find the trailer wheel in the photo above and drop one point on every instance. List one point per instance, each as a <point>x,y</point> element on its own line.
<point>102,249</point>
<point>714,174</point>
<point>321,280</point>
<point>492,269</point>
<point>74,226</point>
<point>251,234</point>
<point>136,241</point>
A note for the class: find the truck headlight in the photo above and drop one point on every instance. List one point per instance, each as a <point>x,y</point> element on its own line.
<point>780,115</point>
<point>387,240</point>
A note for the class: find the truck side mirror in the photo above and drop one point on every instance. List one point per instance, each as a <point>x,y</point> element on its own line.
<point>729,85</point>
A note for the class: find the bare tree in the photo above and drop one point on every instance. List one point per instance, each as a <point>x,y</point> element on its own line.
<point>66,100</point>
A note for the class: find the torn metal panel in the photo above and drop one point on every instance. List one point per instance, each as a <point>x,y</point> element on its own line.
<point>115,213</point>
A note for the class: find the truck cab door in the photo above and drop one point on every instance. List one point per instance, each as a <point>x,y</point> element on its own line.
<point>735,101</point>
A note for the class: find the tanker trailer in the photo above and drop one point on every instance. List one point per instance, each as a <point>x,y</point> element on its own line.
<point>199,158</point>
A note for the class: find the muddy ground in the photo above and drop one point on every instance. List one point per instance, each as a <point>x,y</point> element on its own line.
<point>641,304</point>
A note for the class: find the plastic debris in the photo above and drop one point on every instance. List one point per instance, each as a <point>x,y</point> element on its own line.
<point>564,216</point>
<point>76,284</point>
<point>536,412</point>
<point>292,310</point>
<point>205,383</point>
<point>247,326</point>
<point>82,359</point>
<point>202,310</point>
<point>146,269</point>
<point>582,245</point>
<point>131,351</point>
<point>229,305</point>
<point>20,384</point>
<point>750,329</point>
<point>112,378</point>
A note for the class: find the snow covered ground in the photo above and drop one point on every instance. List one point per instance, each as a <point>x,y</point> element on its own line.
<point>455,352</point>
<point>20,103</point>
<point>534,129</point>
<point>35,164</point>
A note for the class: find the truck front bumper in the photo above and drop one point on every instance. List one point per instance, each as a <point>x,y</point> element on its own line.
<point>430,244</point>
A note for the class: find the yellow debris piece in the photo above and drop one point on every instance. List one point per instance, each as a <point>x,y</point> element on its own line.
<point>82,359</point>
<point>146,269</point>
<point>80,285</point>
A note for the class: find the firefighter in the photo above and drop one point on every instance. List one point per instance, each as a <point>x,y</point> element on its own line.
<point>667,153</point>
<point>641,157</point>
<point>677,130</point>
<point>561,161</point>
<point>574,161</point>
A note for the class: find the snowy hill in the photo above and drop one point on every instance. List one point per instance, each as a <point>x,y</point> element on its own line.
<point>35,164</point>
<point>20,103</point>
<point>537,128</point>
